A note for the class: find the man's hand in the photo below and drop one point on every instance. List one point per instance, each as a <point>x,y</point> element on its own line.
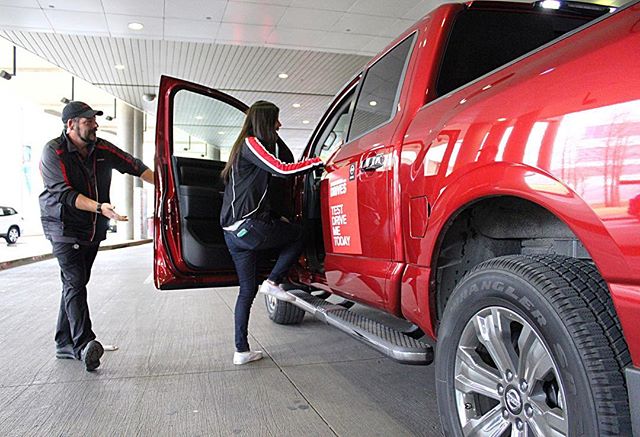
<point>147,176</point>
<point>108,210</point>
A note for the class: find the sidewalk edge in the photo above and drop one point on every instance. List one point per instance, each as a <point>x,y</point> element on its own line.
<point>5,265</point>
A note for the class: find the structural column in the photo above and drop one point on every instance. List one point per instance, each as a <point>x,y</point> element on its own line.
<point>213,152</point>
<point>138,219</point>
<point>126,141</point>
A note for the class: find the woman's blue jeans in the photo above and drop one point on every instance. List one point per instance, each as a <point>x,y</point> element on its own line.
<point>245,244</point>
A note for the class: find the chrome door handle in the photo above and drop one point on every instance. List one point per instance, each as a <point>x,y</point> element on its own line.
<point>372,163</point>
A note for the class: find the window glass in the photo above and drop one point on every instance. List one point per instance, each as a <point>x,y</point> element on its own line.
<point>336,137</point>
<point>380,90</point>
<point>335,131</point>
<point>203,127</point>
<point>1,211</point>
<point>482,41</point>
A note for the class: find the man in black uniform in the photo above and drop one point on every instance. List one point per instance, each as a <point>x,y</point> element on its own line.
<point>75,211</point>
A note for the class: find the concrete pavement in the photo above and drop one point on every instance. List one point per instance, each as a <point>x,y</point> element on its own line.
<point>173,375</point>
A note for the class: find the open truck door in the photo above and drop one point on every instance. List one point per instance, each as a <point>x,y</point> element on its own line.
<point>196,127</point>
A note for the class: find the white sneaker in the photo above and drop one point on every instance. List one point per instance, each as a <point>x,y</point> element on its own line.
<point>246,357</point>
<point>276,291</point>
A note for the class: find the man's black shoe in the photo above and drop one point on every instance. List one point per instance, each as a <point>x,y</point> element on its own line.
<point>91,355</point>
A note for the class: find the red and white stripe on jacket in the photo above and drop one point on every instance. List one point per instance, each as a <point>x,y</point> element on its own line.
<point>274,163</point>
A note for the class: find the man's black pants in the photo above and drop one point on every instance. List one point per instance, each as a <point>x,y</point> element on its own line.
<point>74,324</point>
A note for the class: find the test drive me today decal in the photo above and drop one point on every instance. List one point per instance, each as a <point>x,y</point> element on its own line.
<point>343,211</point>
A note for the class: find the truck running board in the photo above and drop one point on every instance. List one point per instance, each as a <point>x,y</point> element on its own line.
<point>389,341</point>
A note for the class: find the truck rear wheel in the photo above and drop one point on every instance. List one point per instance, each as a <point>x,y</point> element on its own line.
<point>283,313</point>
<point>531,346</point>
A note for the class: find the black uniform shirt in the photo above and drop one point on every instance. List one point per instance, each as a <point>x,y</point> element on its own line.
<point>66,175</point>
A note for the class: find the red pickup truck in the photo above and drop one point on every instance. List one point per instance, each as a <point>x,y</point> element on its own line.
<point>482,181</point>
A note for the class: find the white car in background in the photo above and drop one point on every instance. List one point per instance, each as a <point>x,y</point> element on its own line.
<point>11,224</point>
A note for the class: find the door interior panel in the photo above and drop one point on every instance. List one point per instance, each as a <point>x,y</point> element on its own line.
<point>200,200</point>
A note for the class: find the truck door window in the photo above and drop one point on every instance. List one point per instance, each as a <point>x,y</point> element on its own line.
<point>483,40</point>
<point>380,90</point>
<point>335,131</point>
<point>204,128</point>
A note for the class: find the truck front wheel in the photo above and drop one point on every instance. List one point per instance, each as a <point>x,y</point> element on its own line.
<point>531,346</point>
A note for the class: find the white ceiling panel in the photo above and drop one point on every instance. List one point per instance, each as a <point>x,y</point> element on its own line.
<point>345,42</point>
<point>364,24</point>
<point>77,22</point>
<point>196,9</point>
<point>264,2</point>
<point>243,21</point>
<point>239,33</point>
<point>118,26</point>
<point>253,13</point>
<point>330,5</point>
<point>144,8</point>
<point>299,18</point>
<point>20,3</point>
<point>228,67</point>
<point>376,44</point>
<point>73,5</point>
<point>297,38</point>
<point>383,8</point>
<point>192,30</point>
<point>35,19</point>
<point>420,9</point>
<point>398,26</point>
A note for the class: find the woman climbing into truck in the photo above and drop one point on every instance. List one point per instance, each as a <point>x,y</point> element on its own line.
<point>248,219</point>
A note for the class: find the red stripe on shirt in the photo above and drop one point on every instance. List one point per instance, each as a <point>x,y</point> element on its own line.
<point>274,163</point>
<point>63,168</point>
<point>125,158</point>
<point>64,173</point>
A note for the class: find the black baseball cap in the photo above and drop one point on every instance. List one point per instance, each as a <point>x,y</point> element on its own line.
<point>78,109</point>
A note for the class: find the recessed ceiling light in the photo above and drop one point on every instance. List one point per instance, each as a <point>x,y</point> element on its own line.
<point>283,75</point>
<point>305,121</point>
<point>199,117</point>
<point>373,103</point>
<point>119,67</point>
<point>296,105</point>
<point>135,26</point>
<point>221,133</point>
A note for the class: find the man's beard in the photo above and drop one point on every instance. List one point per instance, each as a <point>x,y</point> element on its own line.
<point>86,138</point>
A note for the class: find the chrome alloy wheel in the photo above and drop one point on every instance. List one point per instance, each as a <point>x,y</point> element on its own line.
<point>271,303</point>
<point>506,382</point>
<point>13,235</point>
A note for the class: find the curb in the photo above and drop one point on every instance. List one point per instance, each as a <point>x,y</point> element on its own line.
<point>5,265</point>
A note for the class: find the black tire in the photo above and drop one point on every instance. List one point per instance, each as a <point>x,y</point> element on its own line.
<point>564,307</point>
<point>12,235</point>
<point>283,313</point>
